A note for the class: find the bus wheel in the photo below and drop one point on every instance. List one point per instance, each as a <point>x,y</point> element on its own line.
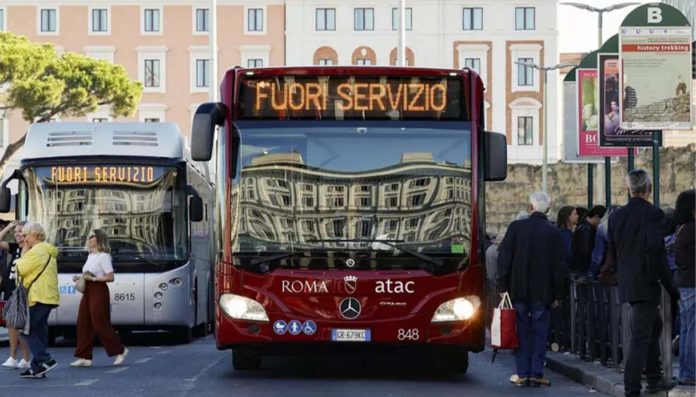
<point>183,335</point>
<point>245,359</point>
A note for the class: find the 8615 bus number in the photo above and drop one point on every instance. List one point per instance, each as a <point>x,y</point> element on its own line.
<point>124,297</point>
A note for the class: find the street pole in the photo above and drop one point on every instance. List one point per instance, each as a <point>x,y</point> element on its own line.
<point>607,159</point>
<point>544,168</point>
<point>213,95</point>
<point>402,34</point>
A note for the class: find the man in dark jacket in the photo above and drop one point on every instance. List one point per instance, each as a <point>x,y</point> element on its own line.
<point>584,239</point>
<point>641,265</point>
<point>531,268</point>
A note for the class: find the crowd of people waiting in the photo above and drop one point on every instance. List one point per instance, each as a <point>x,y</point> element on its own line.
<point>635,247</point>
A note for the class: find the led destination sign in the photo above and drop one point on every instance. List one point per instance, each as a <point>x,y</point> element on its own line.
<point>337,98</point>
<point>102,174</point>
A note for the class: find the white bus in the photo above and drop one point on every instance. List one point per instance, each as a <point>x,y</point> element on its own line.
<point>136,182</point>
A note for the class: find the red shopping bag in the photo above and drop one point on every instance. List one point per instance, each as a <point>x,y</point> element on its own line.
<point>504,325</point>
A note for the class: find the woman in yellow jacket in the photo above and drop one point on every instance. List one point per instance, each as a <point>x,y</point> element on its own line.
<point>38,267</point>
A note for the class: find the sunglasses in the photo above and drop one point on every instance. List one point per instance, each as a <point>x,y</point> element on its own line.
<point>92,236</point>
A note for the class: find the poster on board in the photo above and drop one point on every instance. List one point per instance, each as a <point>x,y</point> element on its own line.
<point>588,117</point>
<point>610,131</point>
<point>656,78</point>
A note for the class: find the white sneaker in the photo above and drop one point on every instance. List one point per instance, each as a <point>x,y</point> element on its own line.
<point>81,362</point>
<point>121,357</point>
<point>24,364</point>
<point>10,363</point>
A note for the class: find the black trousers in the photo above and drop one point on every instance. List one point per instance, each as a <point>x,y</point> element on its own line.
<point>644,349</point>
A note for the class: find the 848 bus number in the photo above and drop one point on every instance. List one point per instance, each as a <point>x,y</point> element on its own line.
<point>408,334</point>
<point>123,297</point>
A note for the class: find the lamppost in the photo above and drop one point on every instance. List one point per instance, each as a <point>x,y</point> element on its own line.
<point>607,160</point>
<point>545,69</point>
<point>401,51</point>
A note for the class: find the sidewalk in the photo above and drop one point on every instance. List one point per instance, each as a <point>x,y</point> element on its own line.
<point>602,379</point>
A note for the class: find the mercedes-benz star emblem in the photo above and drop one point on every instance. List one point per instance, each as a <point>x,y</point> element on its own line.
<point>350,262</point>
<point>349,308</point>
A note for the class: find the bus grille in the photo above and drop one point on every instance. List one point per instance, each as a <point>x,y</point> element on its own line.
<point>69,138</point>
<point>135,138</point>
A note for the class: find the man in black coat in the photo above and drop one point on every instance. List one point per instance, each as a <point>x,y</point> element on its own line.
<point>532,269</point>
<point>638,250</point>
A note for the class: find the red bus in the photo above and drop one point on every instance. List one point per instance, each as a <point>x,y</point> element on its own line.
<point>350,209</point>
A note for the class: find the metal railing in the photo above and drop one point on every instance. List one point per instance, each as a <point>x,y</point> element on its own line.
<point>600,329</point>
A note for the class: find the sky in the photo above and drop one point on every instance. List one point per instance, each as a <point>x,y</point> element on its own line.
<point>578,28</point>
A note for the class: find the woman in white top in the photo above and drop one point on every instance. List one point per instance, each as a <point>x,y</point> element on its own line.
<point>93,318</point>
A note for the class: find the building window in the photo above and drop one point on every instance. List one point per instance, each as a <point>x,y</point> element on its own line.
<point>525,75</point>
<point>396,16</point>
<point>364,19</point>
<point>524,18</point>
<point>202,20</point>
<point>255,63</point>
<point>326,19</point>
<point>152,20</point>
<point>363,61</point>
<point>417,199</point>
<point>49,20</point>
<point>363,229</point>
<point>2,20</point>
<point>326,62</point>
<point>525,131</point>
<point>473,63</point>
<point>255,20</point>
<point>202,73</point>
<point>152,73</point>
<point>100,20</point>
<point>472,19</point>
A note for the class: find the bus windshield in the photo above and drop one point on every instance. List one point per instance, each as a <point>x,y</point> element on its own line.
<point>141,208</point>
<point>348,185</point>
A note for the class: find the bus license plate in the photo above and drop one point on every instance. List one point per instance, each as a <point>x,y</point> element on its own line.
<point>350,335</point>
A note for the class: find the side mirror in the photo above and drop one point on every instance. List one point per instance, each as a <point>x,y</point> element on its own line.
<point>496,157</point>
<point>5,199</point>
<point>195,209</point>
<point>208,115</point>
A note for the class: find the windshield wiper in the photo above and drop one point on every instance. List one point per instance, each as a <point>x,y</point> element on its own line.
<point>390,243</point>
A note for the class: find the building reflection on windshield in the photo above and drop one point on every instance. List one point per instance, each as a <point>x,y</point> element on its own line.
<point>283,202</point>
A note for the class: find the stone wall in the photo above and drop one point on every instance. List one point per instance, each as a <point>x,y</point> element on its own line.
<point>568,184</point>
<point>677,108</point>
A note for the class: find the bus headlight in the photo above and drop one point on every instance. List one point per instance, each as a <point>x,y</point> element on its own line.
<point>241,308</point>
<point>458,309</point>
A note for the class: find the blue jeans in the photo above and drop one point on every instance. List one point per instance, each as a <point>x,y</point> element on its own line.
<point>533,322</point>
<point>37,339</point>
<point>687,338</point>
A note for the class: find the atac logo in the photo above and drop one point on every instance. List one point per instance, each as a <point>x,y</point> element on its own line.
<point>350,284</point>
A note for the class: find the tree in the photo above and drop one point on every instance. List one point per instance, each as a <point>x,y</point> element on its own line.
<point>44,85</point>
